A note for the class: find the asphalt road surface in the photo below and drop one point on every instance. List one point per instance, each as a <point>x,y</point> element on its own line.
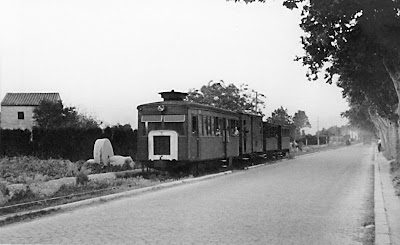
<point>314,199</point>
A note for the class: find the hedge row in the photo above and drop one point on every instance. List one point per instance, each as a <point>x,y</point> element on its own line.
<point>67,143</point>
<point>313,140</point>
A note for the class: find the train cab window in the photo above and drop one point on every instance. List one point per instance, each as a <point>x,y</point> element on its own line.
<point>174,118</point>
<point>163,122</point>
<point>194,124</point>
<point>151,118</point>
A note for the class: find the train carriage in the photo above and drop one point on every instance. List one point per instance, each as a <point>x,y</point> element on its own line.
<point>174,132</point>
<point>177,134</point>
<point>276,139</point>
<point>285,138</point>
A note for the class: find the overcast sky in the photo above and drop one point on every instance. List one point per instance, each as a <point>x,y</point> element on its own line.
<point>106,57</point>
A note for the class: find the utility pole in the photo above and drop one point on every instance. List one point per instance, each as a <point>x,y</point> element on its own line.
<point>318,130</point>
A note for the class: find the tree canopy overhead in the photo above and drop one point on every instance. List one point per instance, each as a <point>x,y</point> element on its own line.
<point>355,39</point>
<point>355,43</point>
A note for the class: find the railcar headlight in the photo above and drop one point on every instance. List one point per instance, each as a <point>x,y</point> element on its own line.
<point>161,108</point>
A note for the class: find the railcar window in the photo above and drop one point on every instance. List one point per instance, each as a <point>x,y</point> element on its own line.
<point>286,132</point>
<point>234,127</point>
<point>271,132</point>
<point>204,125</point>
<point>212,124</point>
<point>208,125</point>
<point>174,118</point>
<point>201,131</point>
<point>217,126</point>
<point>194,124</point>
<point>151,118</point>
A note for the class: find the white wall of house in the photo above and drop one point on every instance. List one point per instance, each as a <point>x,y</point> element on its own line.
<point>9,117</point>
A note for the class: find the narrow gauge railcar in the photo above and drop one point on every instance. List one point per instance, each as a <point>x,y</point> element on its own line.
<point>276,139</point>
<point>174,133</point>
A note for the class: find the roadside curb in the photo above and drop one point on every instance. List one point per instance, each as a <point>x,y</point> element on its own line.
<point>387,211</point>
<point>381,223</point>
<point>102,199</point>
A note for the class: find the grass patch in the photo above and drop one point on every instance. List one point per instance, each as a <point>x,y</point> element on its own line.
<point>369,219</point>
<point>395,172</point>
<point>76,192</point>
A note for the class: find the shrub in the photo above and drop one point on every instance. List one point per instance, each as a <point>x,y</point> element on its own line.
<point>27,169</point>
<point>22,195</point>
<point>3,189</point>
<point>82,177</point>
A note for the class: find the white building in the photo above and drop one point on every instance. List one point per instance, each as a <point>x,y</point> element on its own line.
<point>17,109</point>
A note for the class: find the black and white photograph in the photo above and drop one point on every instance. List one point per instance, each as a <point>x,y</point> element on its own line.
<point>200,122</point>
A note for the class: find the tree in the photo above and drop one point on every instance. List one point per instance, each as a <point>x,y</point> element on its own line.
<point>54,115</point>
<point>357,40</point>
<point>359,116</point>
<point>227,97</point>
<point>280,116</point>
<point>300,120</point>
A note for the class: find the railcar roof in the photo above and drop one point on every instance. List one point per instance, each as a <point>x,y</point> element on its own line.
<point>276,124</point>
<point>195,105</point>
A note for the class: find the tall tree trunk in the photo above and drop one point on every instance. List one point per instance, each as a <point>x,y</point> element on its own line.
<point>388,134</point>
<point>392,65</point>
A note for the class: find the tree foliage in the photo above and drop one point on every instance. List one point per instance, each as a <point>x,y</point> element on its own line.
<point>50,115</point>
<point>227,97</point>
<point>356,41</point>
<point>359,116</point>
<point>300,120</point>
<point>280,116</point>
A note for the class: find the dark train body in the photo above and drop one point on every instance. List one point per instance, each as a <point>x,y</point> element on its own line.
<point>175,133</point>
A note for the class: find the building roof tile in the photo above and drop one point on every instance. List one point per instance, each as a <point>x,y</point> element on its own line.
<point>28,99</point>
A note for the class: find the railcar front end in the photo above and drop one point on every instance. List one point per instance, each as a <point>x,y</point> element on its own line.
<point>176,134</point>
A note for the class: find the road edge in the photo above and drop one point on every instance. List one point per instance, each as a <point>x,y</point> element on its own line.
<point>382,235</point>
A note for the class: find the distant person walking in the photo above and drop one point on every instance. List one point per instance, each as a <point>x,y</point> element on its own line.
<point>379,145</point>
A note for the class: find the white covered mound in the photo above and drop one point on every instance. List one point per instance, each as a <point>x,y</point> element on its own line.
<point>103,151</point>
<point>121,160</point>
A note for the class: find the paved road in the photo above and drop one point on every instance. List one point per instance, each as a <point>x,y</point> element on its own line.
<point>316,199</point>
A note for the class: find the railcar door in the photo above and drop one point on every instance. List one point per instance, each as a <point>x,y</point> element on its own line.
<point>194,151</point>
<point>279,135</point>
